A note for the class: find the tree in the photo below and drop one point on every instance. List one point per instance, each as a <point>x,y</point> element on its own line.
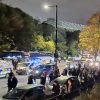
<point>89,38</point>
<point>38,42</point>
<point>16,28</point>
<point>50,46</point>
<point>47,30</point>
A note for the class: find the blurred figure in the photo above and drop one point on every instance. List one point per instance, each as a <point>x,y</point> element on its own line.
<point>12,81</point>
<point>30,79</point>
<point>65,72</point>
<point>63,90</point>
<point>51,76</point>
<point>69,86</point>
<point>56,72</point>
<point>14,63</point>
<point>56,88</point>
<point>43,78</point>
<point>69,89</point>
<point>59,59</point>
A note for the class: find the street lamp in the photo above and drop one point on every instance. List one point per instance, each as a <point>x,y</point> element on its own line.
<point>56,27</point>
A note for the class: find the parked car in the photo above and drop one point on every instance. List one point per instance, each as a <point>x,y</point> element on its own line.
<point>26,92</point>
<point>29,92</point>
<point>5,68</point>
<point>62,80</point>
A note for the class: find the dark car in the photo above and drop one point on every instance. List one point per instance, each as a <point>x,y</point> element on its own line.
<point>44,68</point>
<point>27,92</point>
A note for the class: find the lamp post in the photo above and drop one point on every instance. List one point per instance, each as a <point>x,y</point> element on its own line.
<point>56,27</point>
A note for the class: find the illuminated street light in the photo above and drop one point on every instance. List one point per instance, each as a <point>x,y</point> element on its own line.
<point>56,41</point>
<point>46,6</point>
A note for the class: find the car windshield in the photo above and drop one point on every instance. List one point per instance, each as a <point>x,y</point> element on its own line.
<point>40,67</point>
<point>15,94</point>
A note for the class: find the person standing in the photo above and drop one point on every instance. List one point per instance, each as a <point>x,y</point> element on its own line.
<point>56,88</point>
<point>30,79</point>
<point>43,78</point>
<point>12,81</point>
<point>69,89</point>
<point>56,72</point>
<point>51,76</point>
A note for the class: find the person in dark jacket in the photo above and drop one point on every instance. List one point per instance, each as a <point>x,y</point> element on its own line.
<point>43,78</point>
<point>56,72</point>
<point>12,81</point>
<point>51,76</point>
<point>30,79</point>
<point>56,88</point>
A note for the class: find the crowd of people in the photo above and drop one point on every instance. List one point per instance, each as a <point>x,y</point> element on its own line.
<point>86,75</point>
<point>53,74</point>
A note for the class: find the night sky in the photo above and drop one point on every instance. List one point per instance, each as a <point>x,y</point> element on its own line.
<point>76,11</point>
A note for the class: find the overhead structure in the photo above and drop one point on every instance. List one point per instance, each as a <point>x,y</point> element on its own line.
<point>65,25</point>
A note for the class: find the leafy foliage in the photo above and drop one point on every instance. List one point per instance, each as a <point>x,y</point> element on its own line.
<point>90,36</point>
<point>39,43</point>
<point>20,31</point>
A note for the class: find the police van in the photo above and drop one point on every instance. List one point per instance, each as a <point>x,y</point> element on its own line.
<point>5,68</point>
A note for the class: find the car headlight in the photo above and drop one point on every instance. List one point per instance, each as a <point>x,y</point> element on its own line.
<point>37,72</point>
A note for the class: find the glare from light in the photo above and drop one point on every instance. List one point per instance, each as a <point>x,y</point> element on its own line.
<point>37,71</point>
<point>13,57</point>
<point>46,6</point>
<point>96,64</point>
<point>9,57</point>
<point>19,56</point>
<point>91,64</point>
<point>71,66</point>
<point>35,61</point>
<point>66,66</point>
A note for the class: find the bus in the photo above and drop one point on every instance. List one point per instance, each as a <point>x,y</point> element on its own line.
<point>12,55</point>
<point>45,57</point>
